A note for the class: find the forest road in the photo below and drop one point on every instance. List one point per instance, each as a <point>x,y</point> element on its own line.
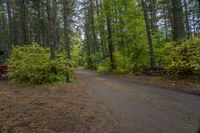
<point>142,109</point>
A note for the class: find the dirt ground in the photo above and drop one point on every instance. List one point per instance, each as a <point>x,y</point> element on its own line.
<point>188,85</point>
<point>69,108</point>
<point>143,108</point>
<point>98,103</point>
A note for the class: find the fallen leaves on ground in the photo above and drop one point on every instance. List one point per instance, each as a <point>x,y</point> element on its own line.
<point>68,108</point>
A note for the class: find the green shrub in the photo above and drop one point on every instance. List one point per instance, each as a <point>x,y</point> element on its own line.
<point>77,55</point>
<point>104,66</point>
<point>123,64</point>
<point>32,64</point>
<point>139,57</point>
<point>183,58</point>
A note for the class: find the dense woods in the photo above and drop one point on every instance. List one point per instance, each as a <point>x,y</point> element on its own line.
<point>99,66</point>
<point>118,36</point>
<point>131,36</point>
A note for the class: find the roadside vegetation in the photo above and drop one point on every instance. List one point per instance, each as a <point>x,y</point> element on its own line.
<point>32,64</point>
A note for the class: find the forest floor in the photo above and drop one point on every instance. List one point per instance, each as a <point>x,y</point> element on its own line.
<point>98,103</point>
<point>188,85</point>
<point>69,108</point>
<point>141,107</point>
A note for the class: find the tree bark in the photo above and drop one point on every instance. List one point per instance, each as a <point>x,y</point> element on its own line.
<point>109,31</point>
<point>95,42</point>
<point>149,36</point>
<point>51,27</point>
<point>178,28</point>
<point>153,4</point>
<point>169,14</point>
<point>11,40</point>
<point>23,21</point>
<point>66,28</point>
<point>110,44</point>
<point>187,19</point>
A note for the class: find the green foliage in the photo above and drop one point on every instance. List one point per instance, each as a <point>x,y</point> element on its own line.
<point>104,66</point>
<point>139,58</point>
<point>96,58</point>
<point>123,64</point>
<point>183,58</point>
<point>32,64</point>
<point>77,55</point>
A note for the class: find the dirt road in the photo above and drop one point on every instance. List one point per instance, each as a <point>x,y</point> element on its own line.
<point>142,109</point>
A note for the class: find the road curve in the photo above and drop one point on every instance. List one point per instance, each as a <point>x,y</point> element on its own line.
<point>143,109</point>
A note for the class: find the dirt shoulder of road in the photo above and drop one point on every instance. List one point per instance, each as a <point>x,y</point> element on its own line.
<point>68,108</point>
<point>189,85</point>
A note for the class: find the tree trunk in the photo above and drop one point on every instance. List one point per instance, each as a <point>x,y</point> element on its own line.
<point>144,7</point>
<point>169,14</point>
<point>8,5</point>
<point>23,20</point>
<point>153,15</point>
<point>179,30</point>
<point>95,42</point>
<point>102,29</point>
<point>110,44</point>
<point>187,19</point>
<point>110,39</point>
<point>51,28</point>
<point>66,28</point>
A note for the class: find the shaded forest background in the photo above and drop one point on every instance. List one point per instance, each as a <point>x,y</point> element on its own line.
<point>119,36</point>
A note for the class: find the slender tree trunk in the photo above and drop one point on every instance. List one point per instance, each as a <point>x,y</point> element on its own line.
<point>165,22</point>
<point>179,30</point>
<point>88,49</point>
<point>152,58</point>
<point>8,4</point>
<point>51,29</point>
<point>153,15</point>
<point>23,20</point>
<point>66,34</point>
<point>102,29</point>
<point>187,19</point>
<point>38,32</point>
<point>110,39</point>
<point>87,38</point>
<point>66,29</point>
<point>95,42</point>
<point>122,43</point>
<point>49,24</point>
<point>110,44</point>
<point>170,15</point>
<point>5,38</point>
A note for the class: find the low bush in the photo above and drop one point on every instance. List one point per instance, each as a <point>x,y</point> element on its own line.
<point>183,58</point>
<point>123,65</point>
<point>32,64</point>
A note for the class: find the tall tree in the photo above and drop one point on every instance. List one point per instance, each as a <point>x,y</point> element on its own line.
<point>23,18</point>
<point>11,41</point>
<point>149,36</point>
<point>178,21</point>
<point>153,12</point>
<point>52,15</point>
<point>186,19</point>
<point>66,14</point>
<point>110,37</point>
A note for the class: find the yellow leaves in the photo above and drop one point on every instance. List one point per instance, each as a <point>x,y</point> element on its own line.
<point>183,57</point>
<point>32,64</point>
